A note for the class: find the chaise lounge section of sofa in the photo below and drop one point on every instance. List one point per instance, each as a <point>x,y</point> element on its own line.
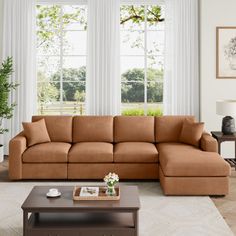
<point>88,147</point>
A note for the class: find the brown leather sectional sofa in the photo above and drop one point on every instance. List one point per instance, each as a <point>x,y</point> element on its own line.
<point>88,147</point>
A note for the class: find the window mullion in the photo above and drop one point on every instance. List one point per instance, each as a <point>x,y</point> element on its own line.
<point>61,60</point>
<point>145,60</point>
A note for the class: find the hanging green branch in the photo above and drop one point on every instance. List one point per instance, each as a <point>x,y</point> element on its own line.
<point>50,19</point>
<point>136,14</point>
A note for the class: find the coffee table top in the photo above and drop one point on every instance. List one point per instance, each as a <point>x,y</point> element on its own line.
<point>37,200</point>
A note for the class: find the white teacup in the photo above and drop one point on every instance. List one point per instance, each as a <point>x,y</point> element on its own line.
<point>53,191</point>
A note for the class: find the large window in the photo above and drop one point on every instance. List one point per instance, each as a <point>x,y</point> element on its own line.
<point>142,59</point>
<point>61,58</point>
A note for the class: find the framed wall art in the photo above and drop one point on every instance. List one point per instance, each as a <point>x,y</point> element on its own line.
<point>226,52</point>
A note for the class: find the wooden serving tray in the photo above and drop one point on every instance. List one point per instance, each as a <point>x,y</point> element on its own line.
<point>101,195</point>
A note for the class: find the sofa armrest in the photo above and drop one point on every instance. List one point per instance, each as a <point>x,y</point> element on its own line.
<point>17,146</point>
<point>208,143</point>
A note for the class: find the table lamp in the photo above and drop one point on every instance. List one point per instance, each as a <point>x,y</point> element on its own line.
<point>227,108</point>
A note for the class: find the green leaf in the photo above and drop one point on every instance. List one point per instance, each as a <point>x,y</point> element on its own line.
<point>6,109</point>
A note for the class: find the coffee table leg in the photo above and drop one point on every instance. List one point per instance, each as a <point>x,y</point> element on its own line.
<point>136,225</point>
<point>25,222</point>
<point>36,214</point>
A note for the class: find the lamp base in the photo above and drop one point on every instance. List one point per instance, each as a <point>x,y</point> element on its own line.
<point>228,126</point>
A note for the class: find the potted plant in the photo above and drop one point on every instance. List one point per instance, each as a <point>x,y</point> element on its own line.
<point>111,180</point>
<point>6,109</point>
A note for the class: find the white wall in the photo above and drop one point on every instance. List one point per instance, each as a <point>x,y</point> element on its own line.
<point>214,13</point>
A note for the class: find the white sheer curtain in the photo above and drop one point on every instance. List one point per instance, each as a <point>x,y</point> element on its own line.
<point>103,94</point>
<point>181,79</point>
<point>19,42</point>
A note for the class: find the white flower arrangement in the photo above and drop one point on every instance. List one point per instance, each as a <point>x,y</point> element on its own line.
<point>111,179</point>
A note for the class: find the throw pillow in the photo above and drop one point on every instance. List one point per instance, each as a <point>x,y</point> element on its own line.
<point>36,132</point>
<point>191,133</point>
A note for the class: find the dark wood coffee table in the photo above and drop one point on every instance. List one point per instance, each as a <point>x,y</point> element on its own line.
<point>62,216</point>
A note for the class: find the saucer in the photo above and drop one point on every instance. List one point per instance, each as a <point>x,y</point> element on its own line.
<point>53,195</point>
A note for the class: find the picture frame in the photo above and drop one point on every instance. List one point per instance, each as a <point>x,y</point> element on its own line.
<point>226,52</point>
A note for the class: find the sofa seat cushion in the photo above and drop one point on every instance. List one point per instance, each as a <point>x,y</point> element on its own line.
<point>91,152</point>
<point>47,152</point>
<point>183,160</point>
<point>136,152</point>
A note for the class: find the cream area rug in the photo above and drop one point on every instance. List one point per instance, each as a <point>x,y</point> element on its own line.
<point>159,215</point>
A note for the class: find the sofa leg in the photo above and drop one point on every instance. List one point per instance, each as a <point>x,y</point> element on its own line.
<point>217,196</point>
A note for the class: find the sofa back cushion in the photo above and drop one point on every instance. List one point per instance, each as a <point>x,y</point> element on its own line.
<point>134,129</point>
<point>59,127</point>
<point>168,128</point>
<point>92,129</point>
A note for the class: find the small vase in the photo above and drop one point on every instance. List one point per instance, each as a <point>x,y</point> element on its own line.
<point>110,190</point>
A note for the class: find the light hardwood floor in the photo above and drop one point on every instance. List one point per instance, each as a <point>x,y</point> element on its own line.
<point>226,205</point>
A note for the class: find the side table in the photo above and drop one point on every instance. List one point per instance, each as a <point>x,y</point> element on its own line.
<point>220,137</point>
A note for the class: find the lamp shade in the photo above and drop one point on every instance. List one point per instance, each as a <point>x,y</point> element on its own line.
<point>226,107</point>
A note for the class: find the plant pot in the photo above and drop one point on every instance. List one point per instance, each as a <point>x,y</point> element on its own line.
<point>110,190</point>
<point>1,153</point>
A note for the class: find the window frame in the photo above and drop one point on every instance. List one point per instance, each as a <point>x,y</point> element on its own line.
<point>61,55</point>
<point>61,2</point>
<point>141,2</point>
<point>144,3</point>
